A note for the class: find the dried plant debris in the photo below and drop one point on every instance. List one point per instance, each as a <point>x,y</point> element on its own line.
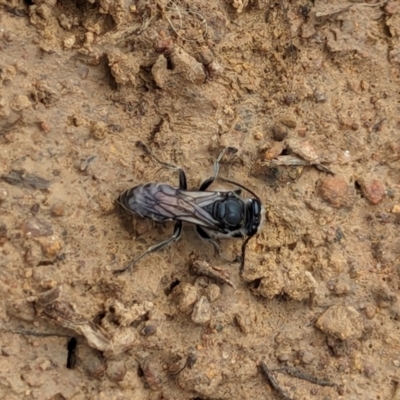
<point>64,314</point>
<point>273,382</point>
<point>293,372</point>
<point>300,153</point>
<point>23,179</point>
<point>203,268</point>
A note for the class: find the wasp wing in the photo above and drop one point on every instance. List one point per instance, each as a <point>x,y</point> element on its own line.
<point>162,202</point>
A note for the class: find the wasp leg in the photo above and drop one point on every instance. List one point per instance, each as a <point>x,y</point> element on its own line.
<point>207,237</point>
<point>156,247</point>
<point>242,258</point>
<point>204,186</point>
<point>182,175</point>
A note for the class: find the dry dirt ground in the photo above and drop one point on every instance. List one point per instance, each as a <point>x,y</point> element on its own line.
<point>309,94</point>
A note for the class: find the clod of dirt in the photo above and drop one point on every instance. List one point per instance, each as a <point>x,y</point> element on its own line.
<point>368,310</point>
<point>20,309</point>
<point>341,322</point>
<point>334,190</point>
<point>20,102</point>
<point>289,121</point>
<point>126,316</point>
<point>98,130</point>
<point>384,297</point>
<point>339,287</point>
<point>185,69</point>
<point>243,322</point>
<point>186,297</point>
<point>69,42</point>
<point>8,73</point>
<point>372,189</point>
<point>201,311</point>
<point>124,67</point>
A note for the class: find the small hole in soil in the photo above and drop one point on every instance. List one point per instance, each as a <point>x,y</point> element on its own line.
<point>140,372</point>
<point>99,316</point>
<point>255,284</point>
<point>71,358</point>
<point>168,290</point>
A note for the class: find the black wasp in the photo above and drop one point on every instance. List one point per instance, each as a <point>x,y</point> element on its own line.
<point>215,214</point>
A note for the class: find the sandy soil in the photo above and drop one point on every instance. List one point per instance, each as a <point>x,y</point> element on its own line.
<point>315,84</point>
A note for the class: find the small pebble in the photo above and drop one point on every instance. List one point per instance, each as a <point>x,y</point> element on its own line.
<point>58,209</point>
<point>187,296</point>
<point>116,370</point>
<point>274,151</point>
<point>36,228</point>
<point>369,370</point>
<point>341,322</point>
<point>3,194</point>
<point>69,42</point>
<point>202,311</point>
<point>373,189</point>
<point>44,127</point>
<point>392,7</point>
<point>205,56</point>
<point>396,209</point>
<point>333,189</point>
<point>29,273</point>
<point>284,357</point>
<point>279,132</point>
<point>258,135</point>
<point>319,96</point>
<point>51,246</point>
<point>149,330</point>
<point>45,365</point>
<point>151,374</point>
<point>213,292</point>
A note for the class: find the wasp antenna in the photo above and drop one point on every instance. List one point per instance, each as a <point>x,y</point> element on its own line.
<point>142,146</point>
<point>241,186</point>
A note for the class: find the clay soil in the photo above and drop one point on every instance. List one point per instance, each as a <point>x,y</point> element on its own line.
<point>309,95</point>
